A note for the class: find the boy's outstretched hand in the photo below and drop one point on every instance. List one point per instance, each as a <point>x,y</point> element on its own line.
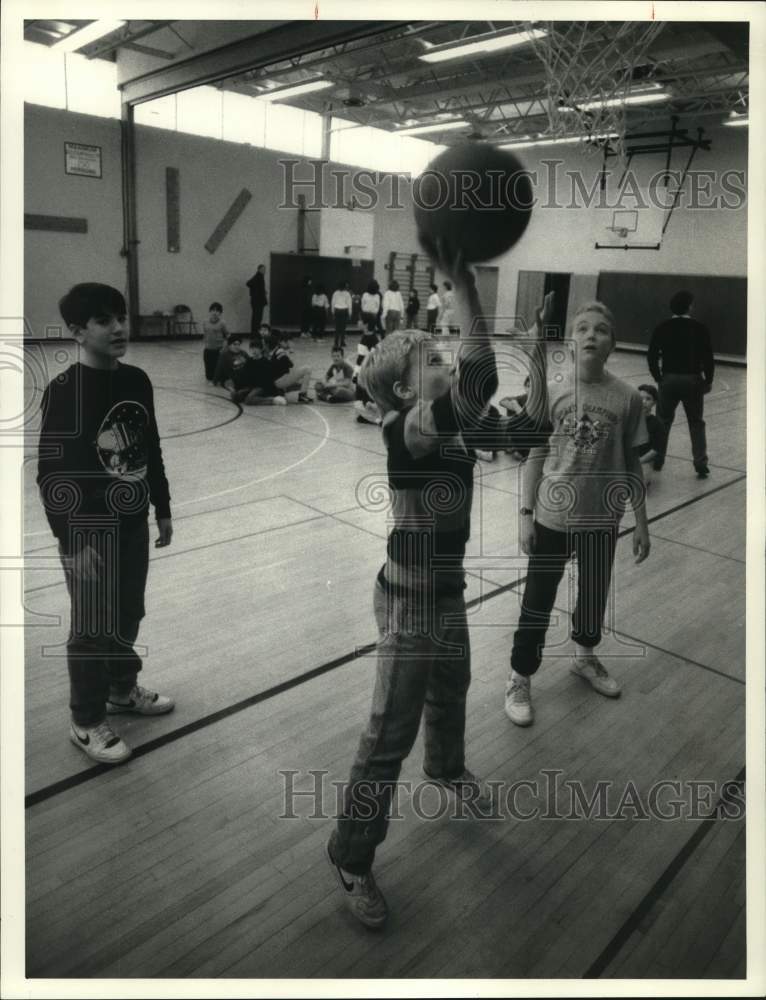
<point>544,315</point>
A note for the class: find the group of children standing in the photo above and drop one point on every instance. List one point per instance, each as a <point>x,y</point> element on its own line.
<point>381,312</point>
<point>587,435</point>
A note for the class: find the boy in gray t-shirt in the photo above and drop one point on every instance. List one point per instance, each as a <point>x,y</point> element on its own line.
<point>575,490</point>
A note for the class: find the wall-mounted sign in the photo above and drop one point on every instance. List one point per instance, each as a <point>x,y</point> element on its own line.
<point>82,160</point>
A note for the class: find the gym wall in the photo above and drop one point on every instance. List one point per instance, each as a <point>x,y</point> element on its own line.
<point>697,241</point>
<point>213,172</point>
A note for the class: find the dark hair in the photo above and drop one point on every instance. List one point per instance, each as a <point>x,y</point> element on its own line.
<point>393,286</point>
<point>448,285</point>
<point>215,305</point>
<point>680,302</point>
<point>650,389</point>
<point>337,349</point>
<point>86,301</point>
<point>434,288</point>
<point>234,338</point>
<point>276,337</point>
<point>257,342</point>
<point>320,290</point>
<point>267,325</point>
<point>261,266</point>
<point>372,288</point>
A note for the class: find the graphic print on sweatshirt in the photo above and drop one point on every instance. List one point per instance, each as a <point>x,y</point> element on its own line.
<point>121,440</point>
<point>587,431</point>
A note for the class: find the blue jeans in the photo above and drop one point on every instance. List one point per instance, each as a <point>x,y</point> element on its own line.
<point>423,669</point>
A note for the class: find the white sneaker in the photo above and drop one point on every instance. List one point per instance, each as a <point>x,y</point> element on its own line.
<point>467,788</point>
<point>518,700</point>
<point>140,701</point>
<point>361,893</point>
<point>592,670</point>
<point>279,401</point>
<point>100,743</point>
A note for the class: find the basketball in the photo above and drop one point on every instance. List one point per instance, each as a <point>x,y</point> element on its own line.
<point>476,197</point>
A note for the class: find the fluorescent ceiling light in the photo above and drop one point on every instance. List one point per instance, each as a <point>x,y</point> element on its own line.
<point>481,45</point>
<point>650,97</point>
<point>88,33</point>
<point>439,127</point>
<point>737,120</point>
<point>526,140</point>
<point>299,88</point>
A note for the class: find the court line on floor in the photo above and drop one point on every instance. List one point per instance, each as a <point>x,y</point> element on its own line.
<point>80,777</point>
<point>200,430</point>
<point>196,548</point>
<point>272,475</point>
<point>661,649</point>
<point>632,923</point>
<point>304,430</point>
<point>253,482</point>
<point>698,548</point>
<point>183,517</point>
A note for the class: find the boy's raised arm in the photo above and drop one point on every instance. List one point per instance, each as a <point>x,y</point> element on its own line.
<point>476,381</point>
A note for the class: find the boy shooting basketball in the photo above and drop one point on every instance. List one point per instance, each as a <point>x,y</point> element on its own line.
<point>428,393</point>
<point>592,462</point>
<point>100,466</point>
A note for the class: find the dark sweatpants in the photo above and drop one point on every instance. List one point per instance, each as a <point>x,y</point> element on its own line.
<point>105,617</point>
<point>210,357</point>
<point>689,391</point>
<point>594,550</point>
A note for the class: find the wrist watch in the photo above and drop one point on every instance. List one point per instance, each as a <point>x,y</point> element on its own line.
<point>526,511</point>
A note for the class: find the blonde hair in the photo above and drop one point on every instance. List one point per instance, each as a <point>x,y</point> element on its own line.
<point>597,307</point>
<point>388,363</point>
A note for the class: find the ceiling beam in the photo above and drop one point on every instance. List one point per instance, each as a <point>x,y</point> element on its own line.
<point>282,42</point>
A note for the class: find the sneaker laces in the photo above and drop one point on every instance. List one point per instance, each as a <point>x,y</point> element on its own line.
<point>104,731</point>
<point>144,694</point>
<point>369,886</point>
<point>520,689</point>
<point>598,666</point>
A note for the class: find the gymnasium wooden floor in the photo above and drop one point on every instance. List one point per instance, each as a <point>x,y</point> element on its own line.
<point>176,864</point>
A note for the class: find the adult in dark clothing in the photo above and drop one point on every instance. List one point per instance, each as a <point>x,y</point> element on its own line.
<point>412,310</point>
<point>258,299</point>
<point>307,291</point>
<point>681,362</point>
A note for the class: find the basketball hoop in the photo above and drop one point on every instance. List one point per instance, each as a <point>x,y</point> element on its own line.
<point>590,68</point>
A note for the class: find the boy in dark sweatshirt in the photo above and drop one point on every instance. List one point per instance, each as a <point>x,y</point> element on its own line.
<point>99,467</point>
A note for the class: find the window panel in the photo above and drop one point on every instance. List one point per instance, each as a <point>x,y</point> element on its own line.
<point>199,111</point>
<point>160,113</point>
<point>244,119</point>
<point>44,81</point>
<point>91,86</point>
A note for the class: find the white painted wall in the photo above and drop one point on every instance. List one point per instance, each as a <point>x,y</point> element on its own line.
<point>698,241</point>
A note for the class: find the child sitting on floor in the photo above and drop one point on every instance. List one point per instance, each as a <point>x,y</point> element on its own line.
<point>338,385</point>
